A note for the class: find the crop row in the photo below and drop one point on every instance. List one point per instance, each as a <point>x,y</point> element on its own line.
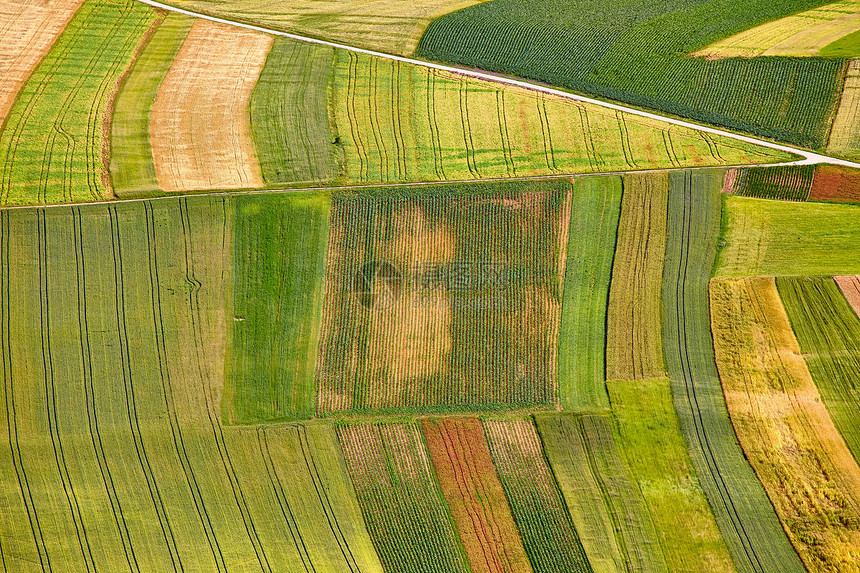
<point>792,183</point>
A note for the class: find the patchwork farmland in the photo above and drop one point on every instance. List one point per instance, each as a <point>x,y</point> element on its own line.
<point>274,303</point>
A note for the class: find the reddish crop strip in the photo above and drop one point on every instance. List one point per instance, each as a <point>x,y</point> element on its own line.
<point>833,183</point>
<point>474,493</point>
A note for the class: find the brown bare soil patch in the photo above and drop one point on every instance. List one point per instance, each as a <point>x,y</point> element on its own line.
<point>833,183</point>
<point>850,286</point>
<point>782,424</point>
<point>474,493</point>
<point>28,29</point>
<point>200,126</point>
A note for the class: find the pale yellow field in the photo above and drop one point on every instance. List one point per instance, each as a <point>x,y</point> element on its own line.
<point>803,34</point>
<point>200,127</point>
<point>393,26</point>
<point>782,424</point>
<point>845,133</point>
<point>28,29</point>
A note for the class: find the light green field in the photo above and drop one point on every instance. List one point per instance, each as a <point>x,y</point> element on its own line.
<point>595,209</point>
<point>604,501</point>
<point>399,122</point>
<point>53,145</point>
<point>114,456</point>
<point>828,332</point>
<point>132,170</point>
<point>280,242</point>
<point>654,448</point>
<point>780,238</point>
<point>746,518</point>
<point>289,114</point>
<point>634,348</point>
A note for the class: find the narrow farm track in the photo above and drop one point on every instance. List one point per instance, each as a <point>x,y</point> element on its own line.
<point>808,156</point>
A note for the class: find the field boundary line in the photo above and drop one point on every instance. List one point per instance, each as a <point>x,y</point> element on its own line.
<point>809,157</point>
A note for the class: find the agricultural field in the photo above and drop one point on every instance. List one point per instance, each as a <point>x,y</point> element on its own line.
<point>850,286</point>
<point>399,122</point>
<point>199,126</point>
<point>807,33</point>
<point>114,454</point>
<point>835,184</point>
<point>443,298</point>
<point>53,147</point>
<point>390,26</point>
<point>279,258</point>
<point>782,424</point>
<point>634,349</point>
<point>547,530</point>
<point>828,331</point>
<point>844,139</point>
<point>781,238</point>
<point>289,114</point>
<point>475,496</point>
<point>792,183</point>
<point>131,162</point>
<point>654,448</point>
<point>595,211</point>
<point>639,53</point>
<point>746,518</point>
<point>29,28</point>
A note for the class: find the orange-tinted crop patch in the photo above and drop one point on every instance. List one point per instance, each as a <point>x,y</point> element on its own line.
<point>832,183</point>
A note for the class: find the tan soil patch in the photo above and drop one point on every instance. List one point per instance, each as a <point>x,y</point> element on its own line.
<point>28,29</point>
<point>200,126</point>
<point>850,286</point>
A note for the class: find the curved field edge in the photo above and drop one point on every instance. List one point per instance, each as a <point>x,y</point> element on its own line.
<point>131,162</point>
<point>54,144</point>
<point>782,424</point>
<point>637,53</point>
<point>747,521</point>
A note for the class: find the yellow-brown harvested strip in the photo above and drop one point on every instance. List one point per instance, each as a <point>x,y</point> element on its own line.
<point>850,286</point>
<point>474,493</point>
<point>200,125</point>
<point>634,349</point>
<point>28,28</point>
<point>783,426</point>
<point>845,133</point>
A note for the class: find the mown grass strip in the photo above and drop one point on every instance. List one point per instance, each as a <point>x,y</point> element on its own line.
<point>604,501</point>
<point>547,530</point>
<point>751,529</point>
<point>400,499</point>
<point>634,349</point>
<point>280,242</point>
<point>289,114</point>
<point>53,144</point>
<point>782,238</point>
<point>132,170</point>
<point>828,332</point>
<point>656,452</point>
<point>783,426</point>
<point>595,209</point>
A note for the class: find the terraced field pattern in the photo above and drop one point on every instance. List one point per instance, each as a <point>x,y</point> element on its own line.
<point>443,286</point>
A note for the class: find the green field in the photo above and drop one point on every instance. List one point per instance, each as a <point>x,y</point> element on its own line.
<point>792,183</point>
<point>828,332</point>
<point>280,242</point>
<point>845,47</point>
<point>743,512</point>
<point>53,144</point>
<point>779,238</point>
<point>443,298</point>
<point>400,499</point>
<point>594,218</point>
<point>289,114</point>
<point>132,170</point>
<point>654,447</point>
<point>604,501</point>
<point>638,52</point>
<point>634,349</point>
<point>400,122</point>
<point>114,456</point>
<point>547,530</point>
